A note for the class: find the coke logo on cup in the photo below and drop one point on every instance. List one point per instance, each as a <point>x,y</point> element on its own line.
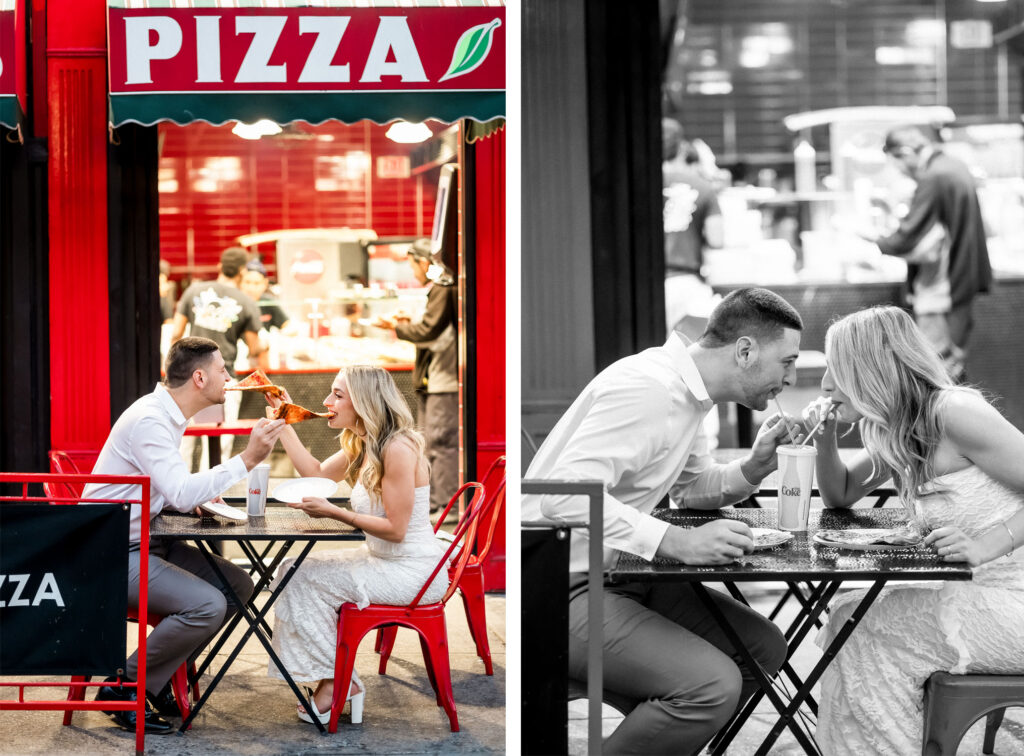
<point>308,266</point>
<point>254,491</point>
<point>787,491</point>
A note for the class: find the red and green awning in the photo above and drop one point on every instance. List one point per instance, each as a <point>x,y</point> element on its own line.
<point>309,60</point>
<point>12,62</point>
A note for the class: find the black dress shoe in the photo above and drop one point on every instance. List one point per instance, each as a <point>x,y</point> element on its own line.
<point>126,719</point>
<point>164,702</point>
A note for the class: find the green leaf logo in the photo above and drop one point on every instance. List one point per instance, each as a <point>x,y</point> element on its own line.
<point>472,49</point>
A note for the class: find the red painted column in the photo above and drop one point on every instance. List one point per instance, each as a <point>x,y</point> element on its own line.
<point>77,130</point>
<point>490,324</point>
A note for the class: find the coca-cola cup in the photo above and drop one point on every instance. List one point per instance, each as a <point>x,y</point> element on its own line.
<point>259,477</point>
<point>796,478</point>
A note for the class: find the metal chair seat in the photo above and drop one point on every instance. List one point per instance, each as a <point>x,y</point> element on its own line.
<point>952,703</point>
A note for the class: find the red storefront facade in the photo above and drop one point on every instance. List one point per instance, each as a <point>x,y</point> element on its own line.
<point>86,82</point>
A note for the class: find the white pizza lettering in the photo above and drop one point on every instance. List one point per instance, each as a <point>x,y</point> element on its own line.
<point>393,35</point>
<point>393,51</point>
<point>139,53</point>
<point>47,590</point>
<point>266,30</point>
<point>208,42</point>
<point>329,30</point>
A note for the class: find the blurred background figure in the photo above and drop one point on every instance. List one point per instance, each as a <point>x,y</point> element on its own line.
<point>435,375</point>
<point>167,292</point>
<point>942,239</point>
<point>220,311</point>
<point>257,286</point>
<point>693,220</point>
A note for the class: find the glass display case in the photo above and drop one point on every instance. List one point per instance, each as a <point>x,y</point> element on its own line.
<point>333,285</point>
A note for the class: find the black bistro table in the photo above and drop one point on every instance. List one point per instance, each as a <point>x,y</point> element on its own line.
<point>280,529</point>
<point>798,560</point>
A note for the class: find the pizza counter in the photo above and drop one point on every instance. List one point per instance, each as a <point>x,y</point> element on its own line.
<point>308,388</point>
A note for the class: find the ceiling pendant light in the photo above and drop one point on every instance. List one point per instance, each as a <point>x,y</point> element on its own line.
<point>404,132</point>
<point>261,128</point>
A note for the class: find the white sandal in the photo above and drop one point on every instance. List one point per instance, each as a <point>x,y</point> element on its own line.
<point>355,699</point>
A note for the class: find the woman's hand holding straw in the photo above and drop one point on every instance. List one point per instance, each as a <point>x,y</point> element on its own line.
<point>824,417</point>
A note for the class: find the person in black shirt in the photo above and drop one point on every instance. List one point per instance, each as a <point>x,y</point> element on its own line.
<point>256,284</point>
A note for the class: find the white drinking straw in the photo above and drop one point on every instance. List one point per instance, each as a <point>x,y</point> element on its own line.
<point>824,417</point>
<point>785,422</point>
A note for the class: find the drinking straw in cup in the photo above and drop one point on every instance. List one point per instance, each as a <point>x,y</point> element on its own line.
<point>785,422</point>
<point>824,417</point>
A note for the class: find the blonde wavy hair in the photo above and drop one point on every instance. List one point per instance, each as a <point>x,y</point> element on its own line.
<point>895,378</point>
<point>384,415</point>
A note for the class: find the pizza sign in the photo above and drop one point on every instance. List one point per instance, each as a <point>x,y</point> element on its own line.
<point>12,62</point>
<point>342,49</point>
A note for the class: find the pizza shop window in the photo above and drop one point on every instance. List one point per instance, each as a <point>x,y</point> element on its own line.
<point>328,210</point>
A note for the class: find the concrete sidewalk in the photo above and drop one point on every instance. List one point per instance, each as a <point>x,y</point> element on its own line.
<point>250,713</point>
<point>1009,739</point>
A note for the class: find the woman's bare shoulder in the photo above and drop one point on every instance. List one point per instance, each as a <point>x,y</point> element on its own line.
<point>961,406</point>
<point>402,450</point>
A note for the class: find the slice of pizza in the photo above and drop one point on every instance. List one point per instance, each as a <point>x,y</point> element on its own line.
<point>275,391</point>
<point>293,413</point>
<point>257,381</point>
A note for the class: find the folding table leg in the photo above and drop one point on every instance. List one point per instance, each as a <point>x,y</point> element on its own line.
<point>762,679</point>
<point>830,653</point>
<point>811,606</point>
<point>254,618</point>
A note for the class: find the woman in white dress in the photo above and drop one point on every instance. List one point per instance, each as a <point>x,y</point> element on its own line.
<point>956,463</point>
<point>381,457</point>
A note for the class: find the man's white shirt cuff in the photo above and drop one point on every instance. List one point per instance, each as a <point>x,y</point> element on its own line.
<point>734,482</point>
<point>647,537</point>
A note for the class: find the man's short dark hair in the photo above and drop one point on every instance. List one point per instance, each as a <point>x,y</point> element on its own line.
<point>232,261</point>
<point>900,138</point>
<point>185,357</point>
<point>759,313</point>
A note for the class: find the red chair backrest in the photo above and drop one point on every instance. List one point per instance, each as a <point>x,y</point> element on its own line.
<point>68,463</point>
<point>495,487</point>
<point>497,466</point>
<point>464,531</point>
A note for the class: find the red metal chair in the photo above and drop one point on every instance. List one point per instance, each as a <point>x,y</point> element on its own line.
<point>77,463</point>
<point>472,584</point>
<point>78,702</point>
<point>179,680</point>
<point>68,463</point>
<point>427,620</point>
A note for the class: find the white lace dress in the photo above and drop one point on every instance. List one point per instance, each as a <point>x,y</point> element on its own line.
<point>381,572</point>
<point>872,694</point>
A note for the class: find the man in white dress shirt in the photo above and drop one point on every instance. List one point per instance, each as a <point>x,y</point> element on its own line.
<point>638,427</point>
<point>183,588</point>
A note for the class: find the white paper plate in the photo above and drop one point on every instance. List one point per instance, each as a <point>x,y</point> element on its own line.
<point>769,538</point>
<point>223,510</point>
<point>294,491</point>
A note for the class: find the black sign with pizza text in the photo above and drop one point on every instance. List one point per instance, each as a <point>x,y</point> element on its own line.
<point>63,588</point>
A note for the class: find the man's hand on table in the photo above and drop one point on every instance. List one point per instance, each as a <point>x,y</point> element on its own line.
<point>773,433</point>
<point>198,511</point>
<point>261,441</point>
<point>717,542</point>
